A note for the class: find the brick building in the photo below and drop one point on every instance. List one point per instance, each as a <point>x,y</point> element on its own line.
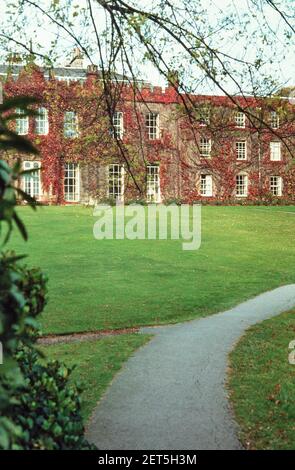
<point>160,145</point>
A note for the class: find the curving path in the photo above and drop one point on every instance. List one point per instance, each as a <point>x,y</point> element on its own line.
<point>171,394</point>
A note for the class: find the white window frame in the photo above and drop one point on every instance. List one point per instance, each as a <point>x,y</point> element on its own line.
<point>275,185</point>
<point>41,122</point>
<point>71,182</point>
<point>116,175</point>
<point>241,185</point>
<point>70,124</point>
<point>274,120</point>
<point>153,183</point>
<point>21,123</point>
<point>31,182</point>
<point>152,122</point>
<point>205,147</point>
<point>241,149</point>
<point>240,119</point>
<point>118,125</point>
<point>206,185</point>
<point>275,151</point>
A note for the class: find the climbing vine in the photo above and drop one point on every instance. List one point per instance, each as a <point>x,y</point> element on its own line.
<point>177,148</point>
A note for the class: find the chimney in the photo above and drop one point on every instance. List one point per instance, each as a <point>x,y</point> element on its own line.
<point>92,73</point>
<point>92,69</point>
<point>77,59</point>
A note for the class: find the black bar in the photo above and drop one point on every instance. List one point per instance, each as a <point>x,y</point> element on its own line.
<point>134,459</point>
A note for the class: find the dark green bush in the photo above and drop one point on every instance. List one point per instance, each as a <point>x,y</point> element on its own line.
<point>49,407</point>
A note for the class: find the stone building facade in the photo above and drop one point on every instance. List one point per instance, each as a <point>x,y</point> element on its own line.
<point>151,144</point>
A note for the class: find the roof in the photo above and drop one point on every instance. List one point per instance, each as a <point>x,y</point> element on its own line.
<point>60,73</point>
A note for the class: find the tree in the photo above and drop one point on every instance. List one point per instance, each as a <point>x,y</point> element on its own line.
<point>234,49</point>
<point>198,39</point>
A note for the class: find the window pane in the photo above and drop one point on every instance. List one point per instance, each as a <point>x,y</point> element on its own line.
<point>152,125</point>
<point>206,185</point>
<point>274,120</point>
<point>42,122</point>
<point>241,150</point>
<point>31,182</point>
<point>116,181</point>
<point>70,124</point>
<point>118,129</point>
<point>276,185</point>
<point>22,123</point>
<point>240,119</point>
<point>204,116</point>
<point>205,147</point>
<point>71,182</point>
<point>153,183</point>
<point>241,185</point>
<point>275,151</point>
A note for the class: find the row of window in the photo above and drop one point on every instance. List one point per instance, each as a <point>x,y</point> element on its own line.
<point>116,182</point>
<point>205,147</point>
<point>32,182</point>
<point>152,122</point>
<point>274,121</point>
<point>239,119</point>
<point>42,124</point>
<point>71,124</point>
<point>241,190</point>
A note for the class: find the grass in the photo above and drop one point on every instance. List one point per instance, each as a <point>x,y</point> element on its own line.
<point>97,363</point>
<point>262,384</point>
<point>123,283</point>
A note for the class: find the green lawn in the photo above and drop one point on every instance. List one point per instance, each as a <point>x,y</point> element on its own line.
<point>96,361</point>
<point>262,383</point>
<point>122,283</point>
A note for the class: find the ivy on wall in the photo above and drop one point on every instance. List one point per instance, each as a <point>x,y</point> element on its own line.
<point>176,150</point>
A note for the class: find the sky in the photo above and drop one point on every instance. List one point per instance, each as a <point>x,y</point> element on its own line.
<point>284,68</point>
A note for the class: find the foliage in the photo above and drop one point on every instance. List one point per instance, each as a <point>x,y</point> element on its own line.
<point>48,408</point>
<point>191,38</point>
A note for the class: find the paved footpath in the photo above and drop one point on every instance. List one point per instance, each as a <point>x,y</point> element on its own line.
<point>171,394</point>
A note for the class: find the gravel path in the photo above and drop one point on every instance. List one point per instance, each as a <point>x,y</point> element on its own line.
<point>171,394</point>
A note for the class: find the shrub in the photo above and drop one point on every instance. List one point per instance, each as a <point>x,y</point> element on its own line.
<point>48,409</point>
